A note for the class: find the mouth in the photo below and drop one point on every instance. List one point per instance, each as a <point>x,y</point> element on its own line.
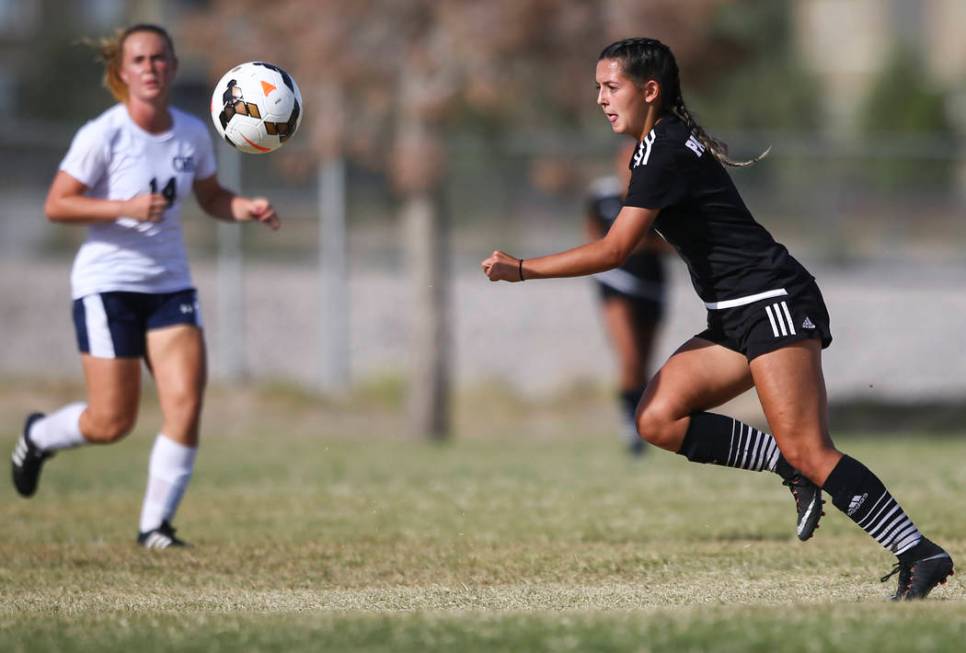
<point>611,117</point>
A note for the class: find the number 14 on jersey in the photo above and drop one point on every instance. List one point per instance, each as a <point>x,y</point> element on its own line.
<point>169,192</point>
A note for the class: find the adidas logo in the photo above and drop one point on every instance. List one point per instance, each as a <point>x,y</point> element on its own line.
<point>808,324</point>
<point>856,503</point>
<point>19,452</point>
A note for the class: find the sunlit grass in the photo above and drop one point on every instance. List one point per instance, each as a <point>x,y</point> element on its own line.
<point>317,526</point>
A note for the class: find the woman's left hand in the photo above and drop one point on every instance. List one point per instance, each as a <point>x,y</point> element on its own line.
<point>500,266</point>
<point>260,209</point>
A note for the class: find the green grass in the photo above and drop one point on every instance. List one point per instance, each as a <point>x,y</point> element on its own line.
<point>317,528</point>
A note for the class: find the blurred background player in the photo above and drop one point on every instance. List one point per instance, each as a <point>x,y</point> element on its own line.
<point>125,176</point>
<point>632,296</point>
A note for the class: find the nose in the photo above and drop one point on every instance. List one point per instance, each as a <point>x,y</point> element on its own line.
<point>600,97</point>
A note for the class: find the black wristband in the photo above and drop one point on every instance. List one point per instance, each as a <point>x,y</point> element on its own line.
<point>520,270</point>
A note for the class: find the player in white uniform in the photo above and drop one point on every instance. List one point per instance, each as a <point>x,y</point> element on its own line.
<point>125,177</point>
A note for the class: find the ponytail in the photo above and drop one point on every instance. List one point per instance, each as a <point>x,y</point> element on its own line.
<point>717,147</point>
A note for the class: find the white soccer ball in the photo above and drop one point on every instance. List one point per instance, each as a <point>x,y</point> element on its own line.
<point>256,107</point>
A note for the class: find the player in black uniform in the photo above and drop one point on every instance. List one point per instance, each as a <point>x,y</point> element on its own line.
<point>632,295</point>
<point>767,322</point>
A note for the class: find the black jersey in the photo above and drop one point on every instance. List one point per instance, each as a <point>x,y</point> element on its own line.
<point>604,202</point>
<point>730,256</point>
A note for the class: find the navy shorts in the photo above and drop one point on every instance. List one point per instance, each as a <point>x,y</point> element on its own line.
<point>772,323</point>
<point>114,324</point>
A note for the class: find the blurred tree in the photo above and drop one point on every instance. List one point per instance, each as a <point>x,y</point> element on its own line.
<point>755,80</point>
<point>906,109</point>
<point>62,81</point>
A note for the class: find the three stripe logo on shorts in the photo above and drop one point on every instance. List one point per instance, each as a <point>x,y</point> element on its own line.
<point>781,319</point>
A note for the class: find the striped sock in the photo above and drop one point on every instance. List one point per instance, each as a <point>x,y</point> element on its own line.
<point>720,440</point>
<point>860,494</point>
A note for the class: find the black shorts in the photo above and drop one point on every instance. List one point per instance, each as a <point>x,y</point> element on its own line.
<point>639,281</point>
<point>768,324</point>
<point>647,310</point>
<point>114,324</point>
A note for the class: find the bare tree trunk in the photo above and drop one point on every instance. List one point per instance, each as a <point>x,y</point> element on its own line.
<point>427,261</point>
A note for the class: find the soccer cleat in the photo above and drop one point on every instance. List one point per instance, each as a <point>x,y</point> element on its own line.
<point>808,503</point>
<point>637,447</point>
<point>27,460</point>
<point>162,537</point>
<point>931,567</point>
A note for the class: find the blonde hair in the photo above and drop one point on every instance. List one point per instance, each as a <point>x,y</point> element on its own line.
<point>110,52</point>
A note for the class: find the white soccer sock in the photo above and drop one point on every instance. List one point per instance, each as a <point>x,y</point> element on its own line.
<point>60,429</point>
<point>169,472</point>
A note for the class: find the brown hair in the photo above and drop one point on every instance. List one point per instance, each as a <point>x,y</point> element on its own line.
<point>111,50</point>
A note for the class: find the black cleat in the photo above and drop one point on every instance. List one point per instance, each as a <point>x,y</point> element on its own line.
<point>162,537</point>
<point>637,447</point>
<point>808,503</point>
<point>930,566</point>
<point>27,460</point>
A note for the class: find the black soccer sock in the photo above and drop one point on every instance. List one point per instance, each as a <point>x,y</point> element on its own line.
<point>720,440</point>
<point>628,401</point>
<point>860,494</point>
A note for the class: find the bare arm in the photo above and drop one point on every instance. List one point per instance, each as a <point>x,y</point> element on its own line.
<point>67,203</point>
<point>219,202</point>
<point>606,253</point>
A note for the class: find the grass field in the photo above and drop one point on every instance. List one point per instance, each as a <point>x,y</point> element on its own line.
<point>320,527</point>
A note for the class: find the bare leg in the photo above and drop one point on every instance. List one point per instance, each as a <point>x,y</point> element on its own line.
<point>113,388</point>
<point>177,359</point>
<point>791,389</point>
<point>632,339</point>
<point>631,342</point>
<point>113,393</point>
<point>698,376</point>
<point>792,392</point>
<point>176,356</point>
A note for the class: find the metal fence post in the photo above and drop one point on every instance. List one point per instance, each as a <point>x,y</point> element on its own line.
<point>333,279</point>
<point>230,284</point>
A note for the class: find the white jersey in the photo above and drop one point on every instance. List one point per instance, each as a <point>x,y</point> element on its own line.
<point>118,160</point>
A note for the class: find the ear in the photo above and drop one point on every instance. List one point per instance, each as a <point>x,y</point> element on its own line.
<point>652,91</point>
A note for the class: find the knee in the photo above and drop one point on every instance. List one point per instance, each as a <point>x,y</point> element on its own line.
<point>658,426</point>
<point>104,428</point>
<point>184,405</point>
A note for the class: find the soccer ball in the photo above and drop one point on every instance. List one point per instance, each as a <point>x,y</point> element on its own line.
<point>256,107</point>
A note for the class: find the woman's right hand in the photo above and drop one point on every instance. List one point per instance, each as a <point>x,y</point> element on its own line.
<point>146,208</point>
<point>500,266</point>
